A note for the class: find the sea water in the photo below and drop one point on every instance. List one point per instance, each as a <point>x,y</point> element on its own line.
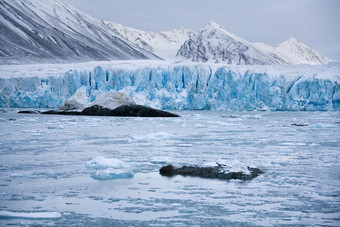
<point>86,170</point>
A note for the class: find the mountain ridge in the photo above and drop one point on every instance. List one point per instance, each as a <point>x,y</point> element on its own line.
<point>43,31</point>
<point>164,44</point>
<point>213,43</point>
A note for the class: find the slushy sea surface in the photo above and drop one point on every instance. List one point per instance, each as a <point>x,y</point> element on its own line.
<point>44,179</point>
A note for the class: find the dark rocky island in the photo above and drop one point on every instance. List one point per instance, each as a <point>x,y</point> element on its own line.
<point>120,111</point>
<point>216,172</point>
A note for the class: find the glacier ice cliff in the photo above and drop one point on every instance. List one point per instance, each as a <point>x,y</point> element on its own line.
<point>182,86</point>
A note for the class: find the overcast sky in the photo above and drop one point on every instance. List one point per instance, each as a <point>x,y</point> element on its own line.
<point>314,22</point>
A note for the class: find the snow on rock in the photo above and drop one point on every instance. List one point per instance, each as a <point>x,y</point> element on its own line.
<point>30,215</point>
<point>229,166</point>
<point>215,172</point>
<point>179,86</point>
<point>109,168</point>
<point>113,100</point>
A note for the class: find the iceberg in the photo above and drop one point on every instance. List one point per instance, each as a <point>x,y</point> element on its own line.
<point>109,174</point>
<point>109,168</point>
<point>105,163</point>
<point>79,100</point>
<point>176,86</point>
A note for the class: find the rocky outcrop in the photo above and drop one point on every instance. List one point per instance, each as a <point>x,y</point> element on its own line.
<point>217,172</point>
<point>121,111</point>
<point>29,112</point>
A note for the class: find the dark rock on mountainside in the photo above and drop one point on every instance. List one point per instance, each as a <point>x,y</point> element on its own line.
<point>54,32</point>
<point>217,172</point>
<point>121,111</point>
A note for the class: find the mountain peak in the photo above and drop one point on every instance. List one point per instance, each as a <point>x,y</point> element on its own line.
<point>215,25</point>
<point>291,41</point>
<point>299,53</point>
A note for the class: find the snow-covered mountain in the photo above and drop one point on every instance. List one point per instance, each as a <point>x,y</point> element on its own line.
<point>45,31</point>
<point>52,31</point>
<point>294,51</point>
<point>213,43</point>
<point>163,44</point>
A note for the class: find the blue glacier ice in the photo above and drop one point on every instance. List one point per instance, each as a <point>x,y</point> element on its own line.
<point>183,86</point>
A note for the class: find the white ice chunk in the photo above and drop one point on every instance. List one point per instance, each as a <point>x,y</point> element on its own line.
<point>109,168</point>
<point>111,173</point>
<point>77,101</point>
<point>105,163</point>
<point>30,215</point>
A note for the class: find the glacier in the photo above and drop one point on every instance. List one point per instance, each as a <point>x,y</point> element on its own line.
<point>176,86</point>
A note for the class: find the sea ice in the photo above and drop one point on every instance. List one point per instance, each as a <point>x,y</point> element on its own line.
<point>30,215</point>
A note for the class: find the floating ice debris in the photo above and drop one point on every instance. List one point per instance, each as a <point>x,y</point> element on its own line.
<point>158,136</point>
<point>160,160</point>
<point>29,215</point>
<point>109,174</point>
<point>109,168</point>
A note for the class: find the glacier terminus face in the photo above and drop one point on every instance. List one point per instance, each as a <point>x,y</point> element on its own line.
<point>176,86</point>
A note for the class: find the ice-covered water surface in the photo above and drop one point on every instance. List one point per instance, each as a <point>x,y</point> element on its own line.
<point>68,170</point>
